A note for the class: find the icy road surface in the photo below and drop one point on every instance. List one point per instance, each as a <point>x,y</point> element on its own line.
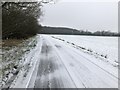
<point>62,66</point>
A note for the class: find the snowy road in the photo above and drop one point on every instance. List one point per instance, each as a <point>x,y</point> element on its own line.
<point>63,66</point>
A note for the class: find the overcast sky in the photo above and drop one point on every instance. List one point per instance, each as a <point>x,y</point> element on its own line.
<point>81,14</point>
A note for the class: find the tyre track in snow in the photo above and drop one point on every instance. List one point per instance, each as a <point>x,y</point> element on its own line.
<point>77,83</point>
<point>87,72</point>
<point>62,67</point>
<point>51,71</point>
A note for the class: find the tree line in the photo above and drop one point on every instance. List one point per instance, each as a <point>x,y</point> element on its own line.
<point>70,31</point>
<point>19,19</point>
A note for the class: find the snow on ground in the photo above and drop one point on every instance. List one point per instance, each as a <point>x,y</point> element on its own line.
<point>14,60</point>
<point>102,46</point>
<point>56,60</point>
<point>31,60</point>
<point>111,67</point>
<point>85,70</point>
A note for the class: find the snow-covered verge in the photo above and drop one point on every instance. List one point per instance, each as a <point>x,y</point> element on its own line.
<point>104,48</point>
<point>27,74</point>
<point>16,59</point>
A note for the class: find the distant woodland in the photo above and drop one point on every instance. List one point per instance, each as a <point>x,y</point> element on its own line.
<point>70,31</point>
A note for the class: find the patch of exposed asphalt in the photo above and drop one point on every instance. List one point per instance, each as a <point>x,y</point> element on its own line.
<point>47,66</point>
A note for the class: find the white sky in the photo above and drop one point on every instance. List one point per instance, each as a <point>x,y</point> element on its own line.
<point>89,15</point>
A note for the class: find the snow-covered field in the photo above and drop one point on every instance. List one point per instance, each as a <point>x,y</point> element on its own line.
<point>78,60</point>
<point>106,46</point>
